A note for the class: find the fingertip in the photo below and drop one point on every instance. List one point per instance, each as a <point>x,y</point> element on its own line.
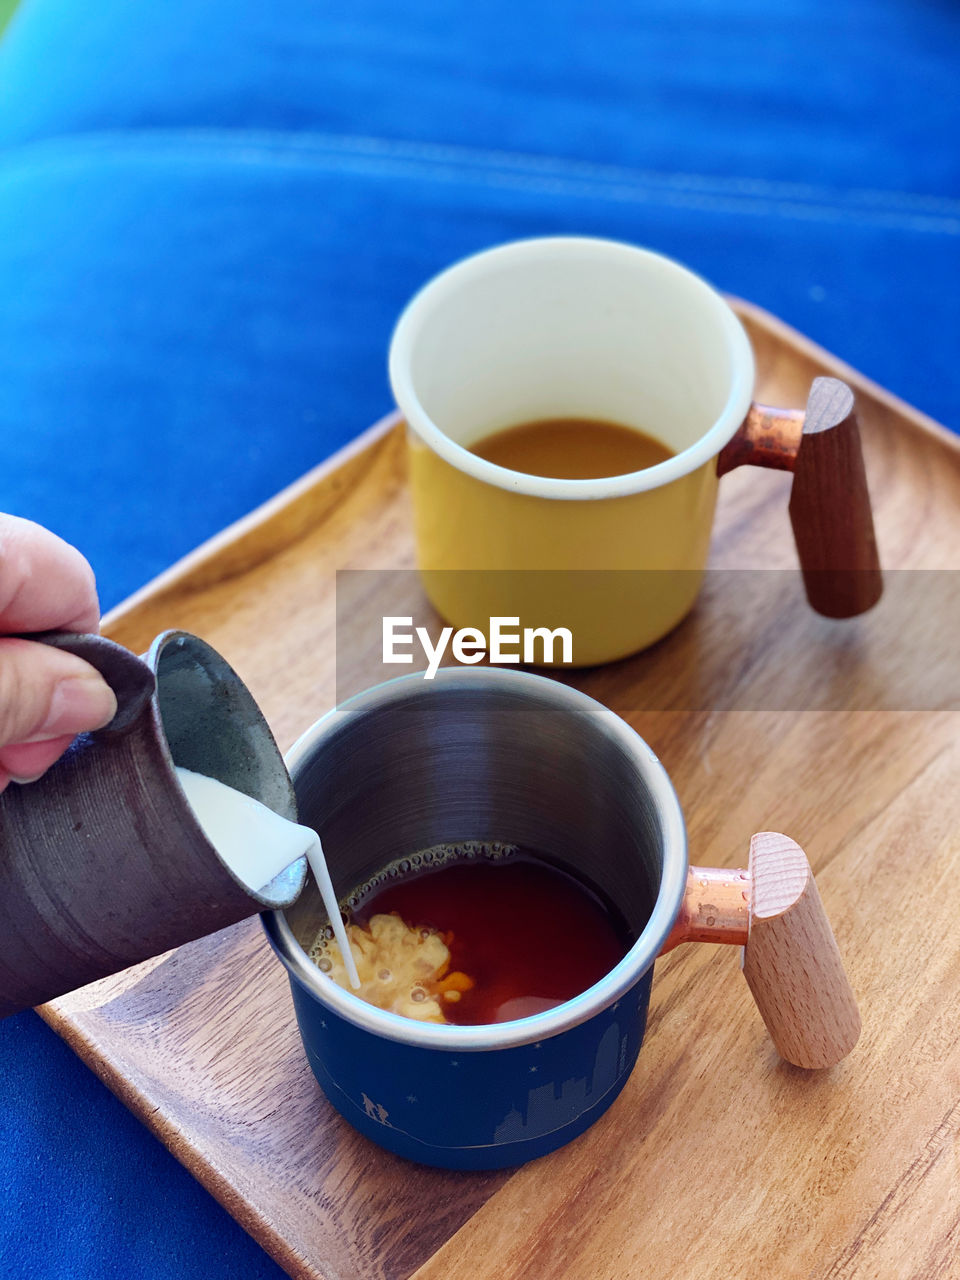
<point>87,617</point>
<point>79,704</point>
<point>45,582</point>
<point>25,762</point>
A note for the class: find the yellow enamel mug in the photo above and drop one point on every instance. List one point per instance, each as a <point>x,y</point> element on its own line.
<point>569,327</point>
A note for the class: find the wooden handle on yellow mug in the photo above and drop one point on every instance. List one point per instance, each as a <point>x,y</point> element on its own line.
<point>790,956</point>
<point>829,503</point>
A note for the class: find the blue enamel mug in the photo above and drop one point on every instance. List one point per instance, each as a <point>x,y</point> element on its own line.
<point>487,755</point>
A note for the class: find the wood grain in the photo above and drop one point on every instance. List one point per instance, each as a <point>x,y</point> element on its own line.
<point>717,1160</point>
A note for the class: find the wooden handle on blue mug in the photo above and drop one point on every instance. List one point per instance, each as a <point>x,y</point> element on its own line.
<point>790,957</point>
<point>829,503</point>
<point>791,961</point>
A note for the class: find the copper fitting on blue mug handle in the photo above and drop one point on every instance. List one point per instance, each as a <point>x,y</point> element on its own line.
<point>715,908</point>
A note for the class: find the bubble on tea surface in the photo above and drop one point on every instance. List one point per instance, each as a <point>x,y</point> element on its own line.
<point>436,856</point>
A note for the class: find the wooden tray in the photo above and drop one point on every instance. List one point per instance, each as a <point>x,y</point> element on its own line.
<point>717,1160</point>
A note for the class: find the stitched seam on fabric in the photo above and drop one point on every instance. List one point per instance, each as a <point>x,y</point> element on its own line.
<point>558,166</point>
<point>542,174</point>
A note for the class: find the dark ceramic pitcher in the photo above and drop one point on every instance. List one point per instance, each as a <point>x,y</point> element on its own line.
<point>102,861</point>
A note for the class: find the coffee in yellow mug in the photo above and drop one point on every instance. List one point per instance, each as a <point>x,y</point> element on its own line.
<point>585,333</point>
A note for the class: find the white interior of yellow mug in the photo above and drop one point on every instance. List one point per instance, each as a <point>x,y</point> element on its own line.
<point>572,327</point>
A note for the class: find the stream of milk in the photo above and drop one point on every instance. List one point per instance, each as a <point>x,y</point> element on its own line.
<point>257,844</point>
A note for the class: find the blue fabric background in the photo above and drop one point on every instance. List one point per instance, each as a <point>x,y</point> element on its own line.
<point>210,215</point>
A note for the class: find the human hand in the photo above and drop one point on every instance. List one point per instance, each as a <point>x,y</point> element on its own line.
<point>47,697</point>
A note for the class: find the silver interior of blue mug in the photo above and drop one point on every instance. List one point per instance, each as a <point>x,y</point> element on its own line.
<point>488,755</point>
<point>212,725</point>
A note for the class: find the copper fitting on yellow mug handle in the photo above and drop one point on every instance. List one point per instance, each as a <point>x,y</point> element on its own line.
<point>790,957</point>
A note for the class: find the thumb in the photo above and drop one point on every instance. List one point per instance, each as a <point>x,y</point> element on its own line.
<point>47,694</point>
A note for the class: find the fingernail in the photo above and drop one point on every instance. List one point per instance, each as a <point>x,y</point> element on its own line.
<point>22,782</point>
<point>78,705</point>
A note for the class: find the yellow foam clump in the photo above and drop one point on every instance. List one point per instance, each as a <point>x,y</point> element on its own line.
<point>402,970</point>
